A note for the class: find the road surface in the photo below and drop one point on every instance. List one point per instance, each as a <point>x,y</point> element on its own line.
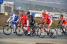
<point>14,39</point>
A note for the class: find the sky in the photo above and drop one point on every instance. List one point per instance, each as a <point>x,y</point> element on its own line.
<point>52,3</point>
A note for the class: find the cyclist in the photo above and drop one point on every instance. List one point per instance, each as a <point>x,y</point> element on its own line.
<point>63,23</point>
<point>31,21</point>
<point>13,20</point>
<point>25,21</point>
<point>47,20</point>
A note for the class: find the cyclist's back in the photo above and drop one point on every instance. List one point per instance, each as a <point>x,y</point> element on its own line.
<point>16,19</point>
<point>46,18</point>
<point>63,20</point>
<point>24,19</point>
<point>31,19</point>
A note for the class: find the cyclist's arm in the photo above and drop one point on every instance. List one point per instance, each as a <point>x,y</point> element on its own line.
<point>60,22</point>
<point>20,19</point>
<point>17,20</point>
<point>9,19</point>
<point>27,22</point>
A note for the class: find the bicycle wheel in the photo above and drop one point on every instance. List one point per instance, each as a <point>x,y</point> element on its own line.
<point>37,31</point>
<point>40,33</point>
<point>33,33</point>
<point>19,31</point>
<point>7,30</point>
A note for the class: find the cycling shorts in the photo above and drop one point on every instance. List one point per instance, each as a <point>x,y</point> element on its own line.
<point>64,24</point>
<point>14,23</point>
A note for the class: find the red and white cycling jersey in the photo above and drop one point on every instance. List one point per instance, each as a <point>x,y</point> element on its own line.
<point>24,20</point>
<point>47,19</point>
<point>64,21</point>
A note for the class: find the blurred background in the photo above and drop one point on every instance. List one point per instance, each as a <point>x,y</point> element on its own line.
<point>55,8</point>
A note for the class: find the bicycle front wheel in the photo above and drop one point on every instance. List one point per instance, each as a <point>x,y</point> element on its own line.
<point>7,30</point>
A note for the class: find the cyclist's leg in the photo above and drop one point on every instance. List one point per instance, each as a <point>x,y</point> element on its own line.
<point>64,28</point>
<point>28,27</point>
<point>28,30</point>
<point>14,26</point>
<point>22,24</point>
<point>49,26</point>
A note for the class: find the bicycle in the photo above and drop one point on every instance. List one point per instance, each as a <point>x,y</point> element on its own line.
<point>34,30</point>
<point>61,30</point>
<point>42,31</point>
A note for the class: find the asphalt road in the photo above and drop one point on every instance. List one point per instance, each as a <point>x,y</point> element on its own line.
<point>14,39</point>
<point>13,35</point>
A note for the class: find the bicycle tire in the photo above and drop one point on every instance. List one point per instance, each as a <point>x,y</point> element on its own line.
<point>7,30</point>
<point>19,31</point>
<point>40,33</point>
